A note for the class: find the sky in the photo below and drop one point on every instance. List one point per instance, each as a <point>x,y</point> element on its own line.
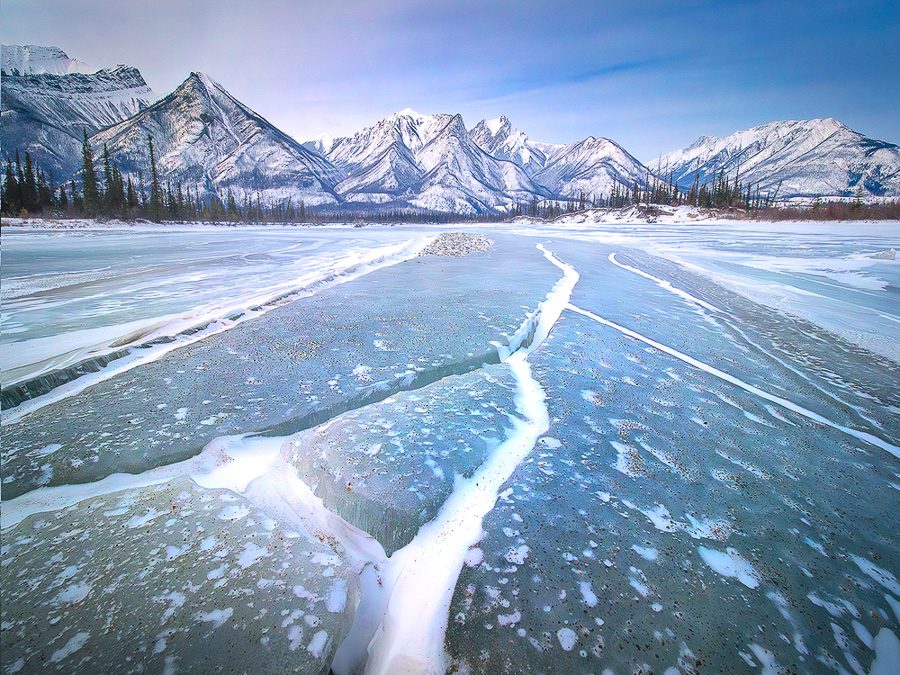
<point>652,75</point>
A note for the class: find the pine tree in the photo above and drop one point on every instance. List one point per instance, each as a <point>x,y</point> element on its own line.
<point>89,179</point>
<point>855,205</point>
<point>77,202</point>
<point>44,193</point>
<point>20,176</point>
<point>109,204</point>
<point>12,197</point>
<point>170,202</point>
<point>63,202</point>
<point>155,192</point>
<point>29,186</point>
<point>131,199</point>
<point>232,208</point>
<point>179,201</point>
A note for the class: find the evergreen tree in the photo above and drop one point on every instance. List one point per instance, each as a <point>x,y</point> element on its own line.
<point>109,193</point>
<point>20,177</point>
<point>155,192</point>
<point>77,202</point>
<point>12,197</point>
<point>856,205</point>
<point>131,196</point>
<point>232,207</point>
<point>29,186</point>
<point>44,193</point>
<point>89,180</point>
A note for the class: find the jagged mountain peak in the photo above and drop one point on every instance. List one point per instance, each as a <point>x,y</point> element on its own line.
<point>409,112</point>
<point>320,144</point>
<point>427,161</point>
<point>500,139</point>
<point>212,143</point>
<point>203,81</point>
<point>199,84</point>
<point>496,124</point>
<point>592,166</point>
<point>40,60</point>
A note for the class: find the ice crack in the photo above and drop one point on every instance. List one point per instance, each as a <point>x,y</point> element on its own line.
<point>756,391</point>
<point>422,575</point>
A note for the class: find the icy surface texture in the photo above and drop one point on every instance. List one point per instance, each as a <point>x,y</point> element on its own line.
<point>171,577</point>
<point>668,516</point>
<point>389,467</point>
<point>580,451</point>
<point>288,370</point>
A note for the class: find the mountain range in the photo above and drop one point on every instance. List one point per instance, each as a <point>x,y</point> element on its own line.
<point>804,158</point>
<point>214,144</point>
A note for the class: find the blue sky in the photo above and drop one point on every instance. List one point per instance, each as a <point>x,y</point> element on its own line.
<point>651,75</point>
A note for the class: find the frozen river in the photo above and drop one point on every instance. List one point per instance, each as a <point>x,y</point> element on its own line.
<point>667,448</point>
<point>68,296</point>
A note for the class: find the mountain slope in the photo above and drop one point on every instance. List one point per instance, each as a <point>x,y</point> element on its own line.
<point>499,138</point>
<point>795,158</point>
<point>428,162</point>
<point>47,113</point>
<point>380,160</point>
<point>592,166</point>
<point>211,142</point>
<point>38,60</point>
<point>460,173</point>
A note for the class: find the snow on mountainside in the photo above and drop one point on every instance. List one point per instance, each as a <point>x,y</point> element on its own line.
<point>592,166</point>
<point>38,60</point>
<point>320,144</point>
<point>46,113</point>
<point>797,158</point>
<point>211,142</point>
<point>429,162</point>
<point>498,137</point>
<point>78,101</point>
<point>460,172</point>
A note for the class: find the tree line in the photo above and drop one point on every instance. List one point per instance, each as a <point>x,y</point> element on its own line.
<point>720,192</point>
<point>105,192</point>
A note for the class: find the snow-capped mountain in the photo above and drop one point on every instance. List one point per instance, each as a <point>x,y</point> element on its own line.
<point>429,162</point>
<point>78,101</point>
<point>592,166</point>
<point>498,137</point>
<point>38,60</point>
<point>46,113</point>
<point>320,144</point>
<point>795,158</point>
<point>459,173</point>
<point>211,142</point>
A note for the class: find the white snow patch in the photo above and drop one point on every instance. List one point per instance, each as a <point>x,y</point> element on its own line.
<point>587,594</point>
<point>75,643</point>
<point>730,564</point>
<point>567,638</point>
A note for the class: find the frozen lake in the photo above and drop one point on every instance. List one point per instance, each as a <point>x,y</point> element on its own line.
<point>590,448</point>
